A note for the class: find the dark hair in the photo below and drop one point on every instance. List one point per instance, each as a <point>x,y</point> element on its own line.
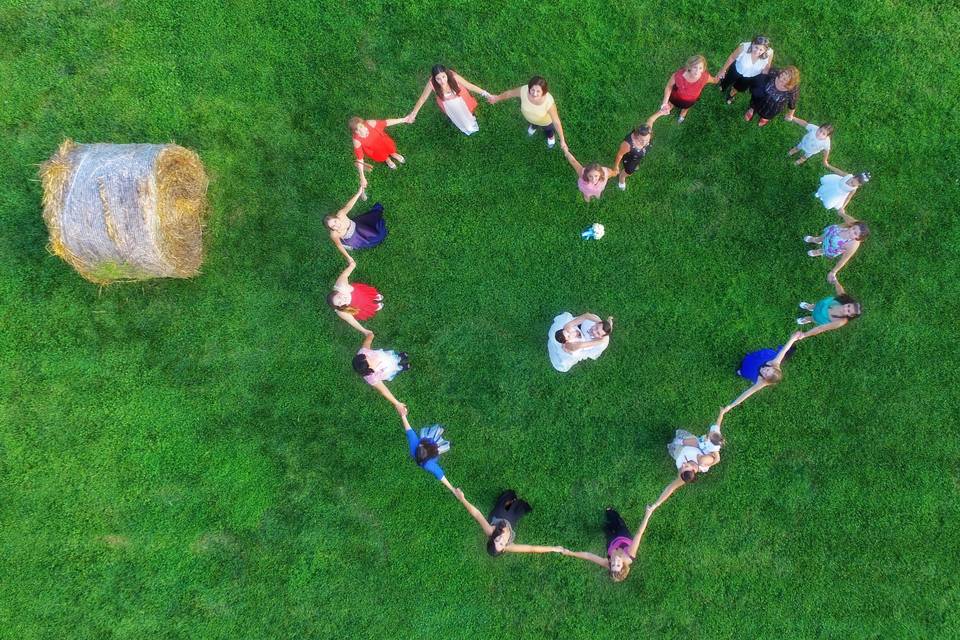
<point>862,229</point>
<point>642,130</point>
<point>828,127</point>
<point>491,546</point>
<point>688,476</point>
<point>360,365</point>
<point>426,450</point>
<point>716,438</point>
<point>558,336</point>
<point>538,81</point>
<point>863,177</point>
<point>607,327</point>
<point>760,41</point>
<point>846,298</point>
<point>330,302</point>
<point>593,166</point>
<point>451,80</point>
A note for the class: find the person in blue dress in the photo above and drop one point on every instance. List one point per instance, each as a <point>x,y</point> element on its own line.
<point>762,368</point>
<point>425,449</point>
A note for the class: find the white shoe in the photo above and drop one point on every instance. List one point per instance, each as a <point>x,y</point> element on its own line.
<point>551,142</point>
<point>622,186</point>
<point>813,253</point>
<point>808,239</point>
<point>805,305</point>
<point>680,119</point>
<point>531,130</point>
<point>804,320</point>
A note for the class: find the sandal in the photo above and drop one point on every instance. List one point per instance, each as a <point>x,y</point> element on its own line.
<point>748,116</point>
<point>390,163</point>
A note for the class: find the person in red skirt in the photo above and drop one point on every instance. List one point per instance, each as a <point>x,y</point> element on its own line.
<point>354,302</point>
<point>685,86</point>
<point>370,140</point>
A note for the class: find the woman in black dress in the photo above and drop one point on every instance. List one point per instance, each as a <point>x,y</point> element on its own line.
<point>501,528</point>
<point>772,93</point>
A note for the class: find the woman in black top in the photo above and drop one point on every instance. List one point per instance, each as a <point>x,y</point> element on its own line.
<point>633,149</point>
<point>501,528</point>
<point>772,92</point>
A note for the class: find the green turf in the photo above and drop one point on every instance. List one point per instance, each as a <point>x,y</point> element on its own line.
<point>195,459</point>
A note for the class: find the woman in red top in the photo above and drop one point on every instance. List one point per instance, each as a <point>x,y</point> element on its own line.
<point>353,302</point>
<point>685,86</point>
<point>370,139</point>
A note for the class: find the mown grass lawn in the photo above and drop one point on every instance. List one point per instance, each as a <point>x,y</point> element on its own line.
<point>195,459</point>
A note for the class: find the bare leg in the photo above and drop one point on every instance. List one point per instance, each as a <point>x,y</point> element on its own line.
<point>683,115</point>
<point>799,161</point>
<point>399,158</point>
<point>793,151</point>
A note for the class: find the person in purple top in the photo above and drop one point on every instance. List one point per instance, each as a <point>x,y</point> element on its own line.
<point>762,368</point>
<point>425,449</point>
<point>621,546</point>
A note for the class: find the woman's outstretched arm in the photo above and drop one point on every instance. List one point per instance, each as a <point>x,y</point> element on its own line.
<point>555,118</point>
<point>830,326</point>
<point>635,543</point>
<point>420,101</point>
<point>586,555</point>
<point>573,161</point>
<point>506,95</point>
<point>353,322</point>
<point>344,278</point>
<point>778,359</point>
<point>756,386</point>
<point>667,90</point>
<point>730,59</point>
<point>351,203</point>
<point>531,548</point>
<point>667,492</point>
<point>842,262</point>
<point>386,393</point>
<point>621,151</point>
<point>339,245</point>
<point>474,512</point>
<point>470,86</point>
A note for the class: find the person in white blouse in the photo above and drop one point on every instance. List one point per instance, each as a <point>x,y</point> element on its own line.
<point>747,61</point>
<point>571,340</point>
<point>817,139</point>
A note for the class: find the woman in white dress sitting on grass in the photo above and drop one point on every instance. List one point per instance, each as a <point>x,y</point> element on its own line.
<point>571,340</point>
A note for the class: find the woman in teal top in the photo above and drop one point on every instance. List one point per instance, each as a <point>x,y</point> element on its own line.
<point>830,313</point>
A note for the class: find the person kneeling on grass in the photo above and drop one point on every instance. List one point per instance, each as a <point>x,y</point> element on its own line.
<point>571,340</point>
<point>501,528</point>
<point>621,546</point>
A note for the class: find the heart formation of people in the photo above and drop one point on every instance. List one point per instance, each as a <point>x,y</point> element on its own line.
<point>571,339</point>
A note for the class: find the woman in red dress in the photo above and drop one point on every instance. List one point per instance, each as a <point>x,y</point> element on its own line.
<point>370,140</point>
<point>354,302</point>
<point>685,86</point>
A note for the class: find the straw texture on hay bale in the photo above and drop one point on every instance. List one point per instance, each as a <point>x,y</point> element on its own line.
<point>126,211</point>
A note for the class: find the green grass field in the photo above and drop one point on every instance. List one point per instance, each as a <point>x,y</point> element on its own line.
<point>196,459</point>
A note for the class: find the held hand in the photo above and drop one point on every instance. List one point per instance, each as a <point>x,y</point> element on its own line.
<point>558,549</point>
<point>492,99</point>
<point>410,118</point>
<point>565,551</point>
<point>721,74</point>
<point>457,491</point>
<point>402,409</point>
<point>832,277</point>
<point>796,335</point>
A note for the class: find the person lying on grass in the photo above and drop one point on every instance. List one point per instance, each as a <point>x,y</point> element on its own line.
<point>377,366</point>
<point>501,528</point>
<point>763,369</point>
<point>830,313</point>
<point>621,546</point>
<point>839,241</point>
<point>354,302</point>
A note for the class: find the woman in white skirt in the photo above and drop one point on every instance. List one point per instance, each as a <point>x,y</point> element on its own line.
<point>453,97</point>
<point>571,340</point>
<point>836,189</point>
<point>747,61</point>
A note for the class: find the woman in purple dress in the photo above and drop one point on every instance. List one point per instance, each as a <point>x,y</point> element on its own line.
<point>361,232</point>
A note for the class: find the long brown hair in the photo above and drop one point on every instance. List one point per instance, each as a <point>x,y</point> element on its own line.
<point>451,79</point>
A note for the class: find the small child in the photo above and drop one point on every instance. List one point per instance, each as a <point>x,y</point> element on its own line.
<point>712,441</point>
<point>816,140</point>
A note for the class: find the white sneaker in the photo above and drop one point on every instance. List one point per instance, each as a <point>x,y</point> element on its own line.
<point>680,119</point>
<point>808,239</point>
<point>804,320</point>
<point>622,186</point>
<point>531,130</point>
<point>551,142</point>
<point>805,305</point>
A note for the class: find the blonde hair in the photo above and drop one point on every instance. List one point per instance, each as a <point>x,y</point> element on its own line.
<point>693,60</point>
<point>793,77</point>
<point>621,575</point>
<point>354,122</point>
<point>776,374</point>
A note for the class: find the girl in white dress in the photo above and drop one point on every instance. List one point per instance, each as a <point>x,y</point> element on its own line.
<point>453,97</point>
<point>836,189</point>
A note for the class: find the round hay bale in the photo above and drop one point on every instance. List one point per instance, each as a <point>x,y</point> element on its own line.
<point>126,211</point>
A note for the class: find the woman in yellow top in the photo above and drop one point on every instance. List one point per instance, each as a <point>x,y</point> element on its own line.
<point>538,107</point>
